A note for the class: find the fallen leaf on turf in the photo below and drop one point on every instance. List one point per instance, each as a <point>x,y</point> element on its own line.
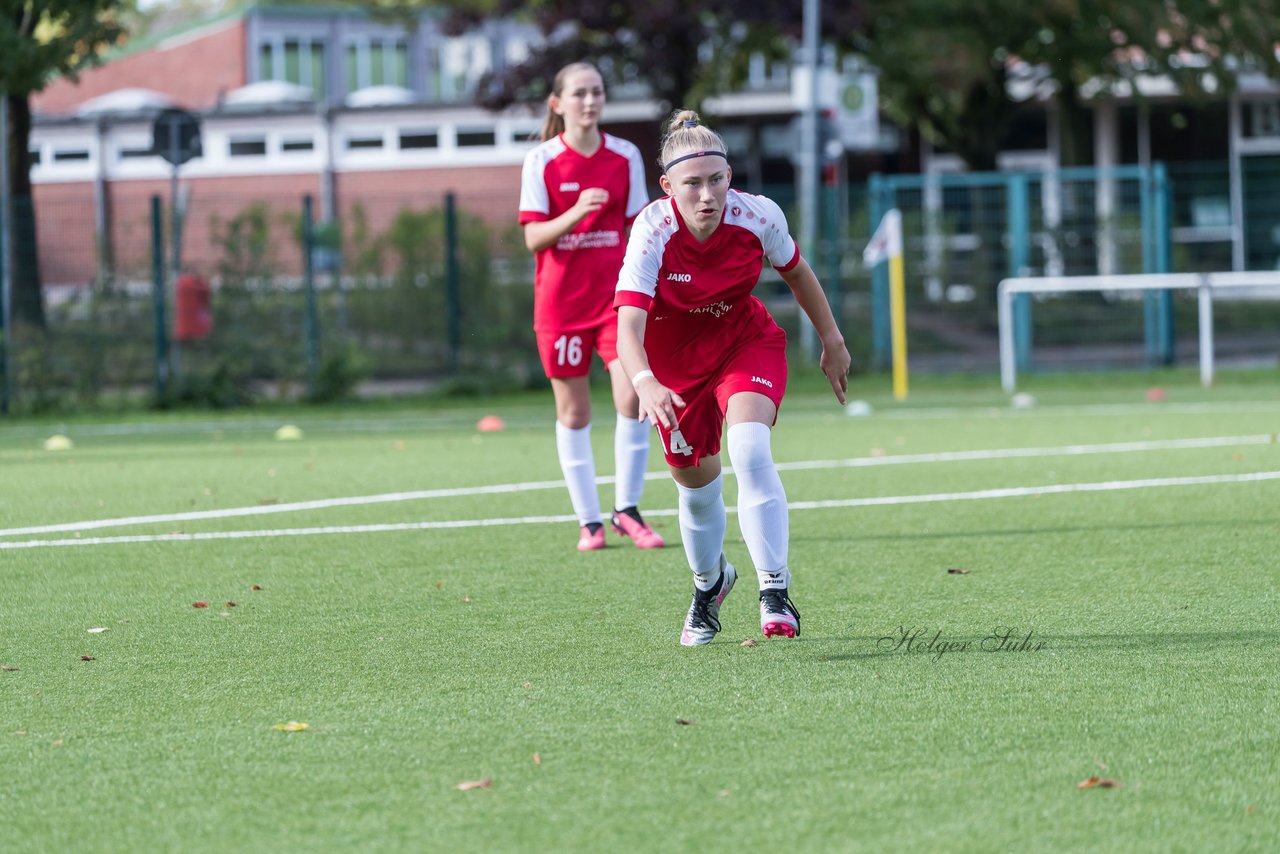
<point>956,571</point>
<point>724,793</point>
<point>439,585</point>
<point>537,759</point>
<point>466,600</point>
<point>527,685</point>
<point>468,785</point>
<point>57,742</point>
<point>748,642</point>
<point>229,605</point>
<point>1098,783</point>
<point>200,604</point>
<point>255,587</point>
<point>97,630</point>
<point>8,669</point>
<point>86,658</point>
<point>292,726</point>
<point>685,722</point>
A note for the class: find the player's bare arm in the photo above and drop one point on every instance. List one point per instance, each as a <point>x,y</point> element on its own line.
<point>543,235</point>
<point>657,402</point>
<point>835,359</point>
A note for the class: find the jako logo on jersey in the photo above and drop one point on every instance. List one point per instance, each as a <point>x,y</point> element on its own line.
<point>569,187</point>
<point>679,277</point>
<point>762,381</point>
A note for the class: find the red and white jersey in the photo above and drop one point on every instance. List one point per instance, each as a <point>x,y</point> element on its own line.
<point>698,295</point>
<point>574,280</point>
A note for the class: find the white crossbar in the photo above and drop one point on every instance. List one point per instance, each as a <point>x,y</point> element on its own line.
<point>1204,283</point>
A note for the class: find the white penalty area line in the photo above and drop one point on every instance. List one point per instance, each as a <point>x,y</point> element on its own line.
<point>510,488</point>
<point>979,495</point>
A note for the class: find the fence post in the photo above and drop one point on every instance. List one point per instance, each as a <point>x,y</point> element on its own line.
<point>879,201</point>
<point>833,227</point>
<point>309,287</point>
<point>6,254</point>
<point>453,309</point>
<point>1163,250</point>
<point>157,298</point>
<point>1019,212</point>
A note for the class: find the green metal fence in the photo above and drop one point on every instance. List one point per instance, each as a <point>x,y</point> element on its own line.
<point>411,296</point>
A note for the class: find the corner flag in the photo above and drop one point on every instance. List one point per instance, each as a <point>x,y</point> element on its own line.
<point>886,245</point>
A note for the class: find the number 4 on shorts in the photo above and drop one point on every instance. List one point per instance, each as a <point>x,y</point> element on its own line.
<point>679,445</point>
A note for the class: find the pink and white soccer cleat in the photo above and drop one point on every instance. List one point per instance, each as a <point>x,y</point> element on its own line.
<point>778,616</point>
<point>628,523</point>
<point>703,620</point>
<point>591,538</point>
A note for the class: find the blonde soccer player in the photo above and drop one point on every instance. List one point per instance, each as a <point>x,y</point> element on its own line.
<point>701,352</point>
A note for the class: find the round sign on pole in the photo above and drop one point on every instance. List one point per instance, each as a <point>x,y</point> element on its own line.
<point>175,136</point>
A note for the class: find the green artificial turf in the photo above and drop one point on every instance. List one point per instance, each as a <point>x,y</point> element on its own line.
<point>425,658</point>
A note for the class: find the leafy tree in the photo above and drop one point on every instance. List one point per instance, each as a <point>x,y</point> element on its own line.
<point>40,39</point>
<point>945,64</point>
<point>683,51</point>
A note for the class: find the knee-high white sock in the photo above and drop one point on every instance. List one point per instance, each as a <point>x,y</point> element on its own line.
<point>762,503</point>
<point>631,458</point>
<point>579,467</point>
<point>702,523</point>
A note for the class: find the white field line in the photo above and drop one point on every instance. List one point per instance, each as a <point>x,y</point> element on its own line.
<point>979,495</point>
<point>506,488</point>
<point>454,419</point>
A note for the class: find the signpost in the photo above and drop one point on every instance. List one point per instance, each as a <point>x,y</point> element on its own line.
<point>175,136</point>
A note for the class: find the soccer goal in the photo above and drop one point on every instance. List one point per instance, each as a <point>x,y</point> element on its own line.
<point>1206,285</point>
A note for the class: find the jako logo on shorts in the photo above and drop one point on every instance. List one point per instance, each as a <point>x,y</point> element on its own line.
<point>679,277</point>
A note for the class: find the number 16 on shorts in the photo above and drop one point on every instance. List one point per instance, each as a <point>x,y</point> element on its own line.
<point>568,350</point>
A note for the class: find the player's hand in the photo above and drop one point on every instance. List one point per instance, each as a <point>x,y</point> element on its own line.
<point>591,200</point>
<point>835,363</point>
<point>658,403</point>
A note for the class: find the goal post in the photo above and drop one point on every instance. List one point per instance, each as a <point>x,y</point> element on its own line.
<point>1206,284</point>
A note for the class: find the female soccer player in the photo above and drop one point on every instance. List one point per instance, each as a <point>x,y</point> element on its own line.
<point>701,350</point>
<point>579,192</point>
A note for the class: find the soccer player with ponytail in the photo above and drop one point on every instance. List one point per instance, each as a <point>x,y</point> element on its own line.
<point>701,352</point>
<point>579,192</point>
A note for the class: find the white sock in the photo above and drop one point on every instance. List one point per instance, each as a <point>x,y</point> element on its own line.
<point>631,458</point>
<point>579,467</point>
<point>762,503</point>
<point>702,523</point>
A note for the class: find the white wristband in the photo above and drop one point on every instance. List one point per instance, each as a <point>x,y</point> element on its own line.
<point>640,375</point>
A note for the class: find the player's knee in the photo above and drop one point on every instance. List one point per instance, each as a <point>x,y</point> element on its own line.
<point>749,447</point>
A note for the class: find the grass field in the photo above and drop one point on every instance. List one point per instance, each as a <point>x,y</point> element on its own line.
<point>1134,540</point>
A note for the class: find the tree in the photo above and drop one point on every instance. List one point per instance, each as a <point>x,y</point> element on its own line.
<point>683,51</point>
<point>945,65</point>
<point>40,39</point>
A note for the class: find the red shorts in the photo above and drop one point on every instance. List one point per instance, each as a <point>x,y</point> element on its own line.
<point>760,367</point>
<point>567,353</point>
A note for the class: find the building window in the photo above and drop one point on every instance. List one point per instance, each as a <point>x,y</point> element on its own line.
<point>1264,119</point>
<point>71,155</point>
<point>33,157</point>
<point>473,138</point>
<point>135,153</point>
<point>355,143</point>
<point>419,139</point>
<point>298,61</point>
<point>247,146</point>
<point>454,69</point>
<point>377,62</point>
<point>299,144</point>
